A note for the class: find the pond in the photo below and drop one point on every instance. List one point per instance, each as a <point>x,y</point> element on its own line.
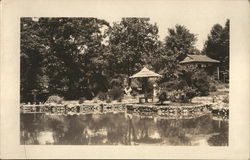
<point>122,128</point>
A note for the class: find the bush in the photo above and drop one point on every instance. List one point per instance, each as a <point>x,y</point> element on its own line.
<point>95,100</point>
<point>170,85</point>
<point>81,100</point>
<point>182,96</point>
<point>190,93</point>
<point>115,93</point>
<point>189,83</point>
<point>54,99</point>
<point>116,82</point>
<point>119,99</point>
<point>102,96</point>
<point>162,97</point>
<point>200,81</point>
<point>212,88</point>
<point>134,93</point>
<point>226,99</point>
<point>108,100</point>
<point>227,85</point>
<point>176,95</point>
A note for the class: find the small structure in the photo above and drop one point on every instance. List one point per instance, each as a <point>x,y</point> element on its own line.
<point>145,74</point>
<point>201,61</point>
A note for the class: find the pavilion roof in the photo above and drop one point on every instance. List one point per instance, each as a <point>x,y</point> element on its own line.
<point>145,73</point>
<point>199,58</point>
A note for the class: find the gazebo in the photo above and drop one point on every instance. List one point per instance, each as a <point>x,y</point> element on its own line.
<point>202,61</point>
<point>145,74</point>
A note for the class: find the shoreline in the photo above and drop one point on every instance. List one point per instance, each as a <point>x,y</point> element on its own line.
<point>164,110</point>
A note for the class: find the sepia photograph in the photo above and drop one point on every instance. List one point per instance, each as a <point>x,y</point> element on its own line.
<point>90,81</point>
<point>137,79</point>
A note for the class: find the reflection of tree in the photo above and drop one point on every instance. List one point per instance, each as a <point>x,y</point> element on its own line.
<point>131,135</point>
<point>222,137</point>
<point>173,131</point>
<point>182,132</point>
<point>142,130</point>
<point>219,140</point>
<point>203,125</point>
<point>116,128</point>
<point>30,127</point>
<point>70,131</point>
<point>110,128</point>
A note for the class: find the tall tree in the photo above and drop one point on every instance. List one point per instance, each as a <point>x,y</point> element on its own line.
<point>178,43</point>
<point>76,46</point>
<point>131,42</point>
<point>31,55</point>
<point>217,44</point>
<point>71,50</point>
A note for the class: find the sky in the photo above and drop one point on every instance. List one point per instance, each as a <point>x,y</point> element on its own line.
<point>201,32</point>
<point>198,16</point>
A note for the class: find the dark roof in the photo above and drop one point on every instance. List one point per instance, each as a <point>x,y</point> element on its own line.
<point>199,58</point>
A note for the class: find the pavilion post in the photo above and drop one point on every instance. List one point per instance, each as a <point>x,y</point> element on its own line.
<point>218,72</point>
<point>145,81</point>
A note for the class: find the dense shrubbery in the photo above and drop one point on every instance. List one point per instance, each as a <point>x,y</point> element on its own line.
<point>190,93</point>
<point>134,93</point>
<point>54,99</point>
<point>72,67</point>
<point>102,96</point>
<point>191,82</point>
<point>81,100</point>
<point>174,85</point>
<point>200,81</point>
<point>116,93</point>
<point>180,96</point>
<point>226,99</point>
<point>162,97</point>
<point>212,88</point>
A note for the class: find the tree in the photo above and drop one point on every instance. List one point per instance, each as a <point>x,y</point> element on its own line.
<point>132,42</point>
<point>69,53</point>
<point>76,46</point>
<point>180,42</point>
<point>175,48</point>
<point>31,57</point>
<point>217,44</point>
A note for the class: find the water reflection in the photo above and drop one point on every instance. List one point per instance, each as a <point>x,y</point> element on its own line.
<point>121,129</point>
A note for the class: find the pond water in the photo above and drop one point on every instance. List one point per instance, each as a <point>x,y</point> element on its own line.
<point>122,128</point>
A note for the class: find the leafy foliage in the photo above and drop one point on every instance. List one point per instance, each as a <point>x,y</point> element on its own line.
<point>191,82</point>
<point>81,100</point>
<point>226,99</point>
<point>67,52</point>
<point>131,43</point>
<point>201,82</point>
<point>88,57</point>
<point>180,42</point>
<point>55,99</point>
<point>217,45</point>
<point>116,93</point>
<point>175,48</point>
<point>162,97</point>
<point>102,96</point>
